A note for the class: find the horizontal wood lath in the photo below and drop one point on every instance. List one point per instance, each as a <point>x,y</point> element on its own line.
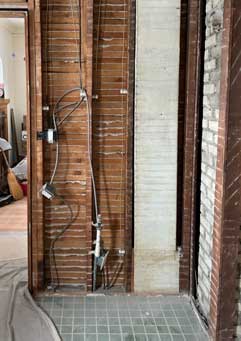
<point>61,36</point>
<point>110,125</point>
<point>61,72</point>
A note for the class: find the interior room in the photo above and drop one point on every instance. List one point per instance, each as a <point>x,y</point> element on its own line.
<point>13,143</point>
<point>120,163</point>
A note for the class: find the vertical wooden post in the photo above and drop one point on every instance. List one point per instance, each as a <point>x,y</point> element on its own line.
<point>36,229</point>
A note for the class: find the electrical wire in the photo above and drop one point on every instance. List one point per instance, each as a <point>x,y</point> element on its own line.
<point>89,116</point>
<point>78,45</point>
<point>97,45</point>
<point>46,51</point>
<point>56,124</point>
<point>52,245</point>
<point>123,126</point>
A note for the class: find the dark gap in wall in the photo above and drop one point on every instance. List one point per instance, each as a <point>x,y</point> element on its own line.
<point>181,116</point>
<point>196,225</point>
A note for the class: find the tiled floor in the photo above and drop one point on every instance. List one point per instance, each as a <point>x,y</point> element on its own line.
<point>13,217</point>
<point>118,318</point>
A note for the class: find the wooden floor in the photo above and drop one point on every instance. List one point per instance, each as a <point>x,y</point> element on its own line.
<point>13,217</point>
<point>13,230</point>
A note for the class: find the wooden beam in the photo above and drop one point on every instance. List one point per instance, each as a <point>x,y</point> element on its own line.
<point>14,6</point>
<point>35,149</point>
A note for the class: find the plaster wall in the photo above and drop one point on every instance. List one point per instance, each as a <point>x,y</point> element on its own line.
<point>156,263</point>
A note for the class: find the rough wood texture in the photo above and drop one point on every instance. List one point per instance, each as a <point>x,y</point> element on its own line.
<point>63,70</point>
<point>56,26</point>
<point>112,129</point>
<point>35,151</point>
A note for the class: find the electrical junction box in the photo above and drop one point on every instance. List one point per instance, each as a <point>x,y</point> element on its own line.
<point>48,191</point>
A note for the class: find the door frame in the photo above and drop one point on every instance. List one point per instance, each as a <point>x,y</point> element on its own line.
<point>30,13</point>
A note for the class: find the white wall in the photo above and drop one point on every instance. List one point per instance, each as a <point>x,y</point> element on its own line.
<point>156,262</point>
<point>6,48</point>
<point>19,67</point>
<point>12,53</point>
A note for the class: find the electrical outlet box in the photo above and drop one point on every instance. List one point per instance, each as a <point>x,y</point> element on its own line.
<point>48,191</point>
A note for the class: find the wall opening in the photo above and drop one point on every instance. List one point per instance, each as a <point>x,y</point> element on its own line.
<point>14,116</point>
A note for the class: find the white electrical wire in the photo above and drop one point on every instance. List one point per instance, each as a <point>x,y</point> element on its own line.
<point>123,128</point>
<point>57,124</point>
<point>89,116</point>
<point>57,150</point>
<point>76,42</point>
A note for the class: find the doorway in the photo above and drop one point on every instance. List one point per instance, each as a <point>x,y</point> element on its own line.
<point>14,134</point>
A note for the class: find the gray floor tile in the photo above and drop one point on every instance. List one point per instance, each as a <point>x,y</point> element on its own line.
<point>153,337</point>
<point>113,321</point>
<point>67,320</point>
<point>127,329</point>
<point>175,330</point>
<point>178,338</point>
<point>67,337</point>
<point>102,329</point>
<point>129,337</point>
<point>66,329</point>
<point>90,337</point>
<point>151,329</point>
<point>103,337</point>
<point>162,329</point>
<point>136,321</point>
<point>79,329</point>
<point>90,329</point>
<point>120,318</point>
<point>165,337</point>
<point>78,337</point>
<point>115,337</point>
<point>141,337</point>
<point>115,329</point>
<point>139,329</point>
<point>190,337</point>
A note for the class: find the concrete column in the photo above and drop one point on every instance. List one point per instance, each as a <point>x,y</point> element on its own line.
<point>156,118</point>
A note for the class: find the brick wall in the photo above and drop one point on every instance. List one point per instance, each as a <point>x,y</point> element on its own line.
<point>214,14</point>
<point>156,119</point>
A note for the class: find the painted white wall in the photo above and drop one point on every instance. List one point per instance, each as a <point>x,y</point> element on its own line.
<point>6,48</point>
<point>12,53</point>
<point>156,263</point>
<point>19,67</point>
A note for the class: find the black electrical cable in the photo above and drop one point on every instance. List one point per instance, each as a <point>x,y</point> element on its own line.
<point>56,124</point>
<point>52,245</point>
<point>67,115</point>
